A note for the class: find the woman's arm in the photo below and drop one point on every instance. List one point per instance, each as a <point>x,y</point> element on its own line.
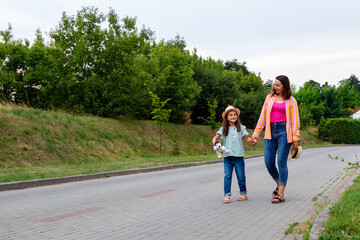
<point>261,121</point>
<point>295,121</point>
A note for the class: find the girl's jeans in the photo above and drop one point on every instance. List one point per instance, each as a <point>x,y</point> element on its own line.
<point>229,164</point>
<point>278,142</point>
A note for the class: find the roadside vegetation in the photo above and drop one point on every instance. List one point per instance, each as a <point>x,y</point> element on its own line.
<point>344,216</point>
<point>37,144</point>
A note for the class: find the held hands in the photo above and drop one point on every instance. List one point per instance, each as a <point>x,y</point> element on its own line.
<point>254,140</point>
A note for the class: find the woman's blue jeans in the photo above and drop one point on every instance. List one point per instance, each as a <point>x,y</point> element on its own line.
<point>278,142</point>
<point>229,164</point>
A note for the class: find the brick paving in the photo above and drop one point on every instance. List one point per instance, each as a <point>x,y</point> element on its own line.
<point>174,204</point>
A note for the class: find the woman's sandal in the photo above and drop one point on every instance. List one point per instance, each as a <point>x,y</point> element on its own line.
<point>275,192</point>
<point>242,197</point>
<point>227,199</point>
<point>278,199</point>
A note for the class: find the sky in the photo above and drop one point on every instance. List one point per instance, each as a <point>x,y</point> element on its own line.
<point>306,40</point>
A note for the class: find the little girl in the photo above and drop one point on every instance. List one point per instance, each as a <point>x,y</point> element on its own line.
<point>232,133</point>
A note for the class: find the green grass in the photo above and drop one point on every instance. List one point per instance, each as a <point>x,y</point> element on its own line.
<point>291,227</point>
<point>37,144</point>
<point>344,216</point>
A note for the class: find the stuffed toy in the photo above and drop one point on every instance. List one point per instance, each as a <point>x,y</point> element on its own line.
<point>219,149</point>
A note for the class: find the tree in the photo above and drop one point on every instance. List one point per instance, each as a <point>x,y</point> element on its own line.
<point>39,71</point>
<point>13,55</point>
<point>234,65</point>
<point>306,116</point>
<point>268,84</point>
<point>211,120</point>
<point>99,66</point>
<point>160,114</point>
<point>309,96</point>
<point>216,84</point>
<point>348,96</point>
<point>353,81</point>
<point>7,35</point>
<point>170,74</point>
<point>250,105</point>
<point>331,103</point>
<point>250,82</point>
<point>314,84</point>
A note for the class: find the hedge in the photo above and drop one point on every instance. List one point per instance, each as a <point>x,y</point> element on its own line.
<point>340,130</point>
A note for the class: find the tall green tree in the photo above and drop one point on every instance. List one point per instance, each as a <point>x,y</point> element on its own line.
<point>331,103</point>
<point>348,95</point>
<point>38,73</point>
<point>99,64</point>
<point>309,95</point>
<point>13,55</point>
<point>215,84</point>
<point>170,73</point>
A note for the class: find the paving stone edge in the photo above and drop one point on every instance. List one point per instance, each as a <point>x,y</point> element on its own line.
<point>76,178</point>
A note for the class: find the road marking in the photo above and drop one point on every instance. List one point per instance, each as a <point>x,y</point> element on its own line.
<point>209,181</point>
<point>158,193</point>
<point>69,215</point>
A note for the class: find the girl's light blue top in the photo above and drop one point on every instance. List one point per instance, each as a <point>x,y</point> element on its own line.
<point>233,141</point>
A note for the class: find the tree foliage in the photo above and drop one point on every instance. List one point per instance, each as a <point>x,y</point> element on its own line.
<point>104,65</point>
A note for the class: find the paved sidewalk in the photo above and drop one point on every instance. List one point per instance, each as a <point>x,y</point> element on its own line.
<point>173,204</point>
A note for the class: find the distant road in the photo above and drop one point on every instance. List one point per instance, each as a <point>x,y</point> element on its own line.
<point>173,204</point>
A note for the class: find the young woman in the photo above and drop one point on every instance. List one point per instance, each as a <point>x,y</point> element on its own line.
<point>280,117</point>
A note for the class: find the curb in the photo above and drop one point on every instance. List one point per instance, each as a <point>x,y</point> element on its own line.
<point>321,219</point>
<point>76,178</point>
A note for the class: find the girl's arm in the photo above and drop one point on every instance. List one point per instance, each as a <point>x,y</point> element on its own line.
<point>216,138</point>
<point>247,139</point>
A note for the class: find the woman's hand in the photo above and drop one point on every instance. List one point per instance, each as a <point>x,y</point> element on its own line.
<point>295,144</point>
<point>254,140</point>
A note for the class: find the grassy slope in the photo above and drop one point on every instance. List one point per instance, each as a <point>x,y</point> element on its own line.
<point>41,144</point>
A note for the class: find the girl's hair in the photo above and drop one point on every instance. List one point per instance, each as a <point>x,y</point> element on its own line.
<point>226,124</point>
<point>286,83</point>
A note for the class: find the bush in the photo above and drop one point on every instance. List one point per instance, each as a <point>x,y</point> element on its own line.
<point>340,130</point>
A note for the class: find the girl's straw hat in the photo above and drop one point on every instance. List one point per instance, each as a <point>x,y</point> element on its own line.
<point>294,153</point>
<point>228,109</point>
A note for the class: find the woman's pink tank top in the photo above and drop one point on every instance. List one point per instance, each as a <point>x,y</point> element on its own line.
<point>278,113</point>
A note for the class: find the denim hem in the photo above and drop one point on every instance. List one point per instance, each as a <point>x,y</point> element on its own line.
<point>243,192</point>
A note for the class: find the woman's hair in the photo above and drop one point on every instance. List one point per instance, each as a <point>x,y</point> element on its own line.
<point>226,124</point>
<point>286,84</point>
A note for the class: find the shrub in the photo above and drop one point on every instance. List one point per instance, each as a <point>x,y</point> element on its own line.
<point>340,130</point>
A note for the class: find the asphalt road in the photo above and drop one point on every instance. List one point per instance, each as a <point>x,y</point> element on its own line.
<point>181,203</point>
